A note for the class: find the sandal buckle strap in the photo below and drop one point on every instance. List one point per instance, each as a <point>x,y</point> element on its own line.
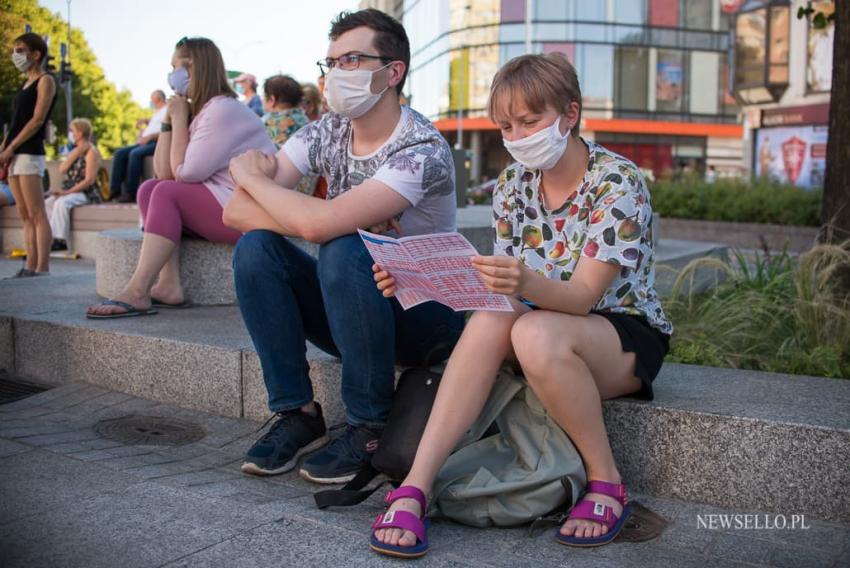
<point>616,490</point>
<point>408,492</point>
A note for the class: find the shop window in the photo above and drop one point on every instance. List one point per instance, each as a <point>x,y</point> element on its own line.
<point>761,52</point>
<point>819,60</point>
<point>669,80</point>
<point>704,82</point>
<point>697,14</point>
<point>631,79</point>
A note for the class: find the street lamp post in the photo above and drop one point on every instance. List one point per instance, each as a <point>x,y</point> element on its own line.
<point>69,104</point>
<point>459,143</point>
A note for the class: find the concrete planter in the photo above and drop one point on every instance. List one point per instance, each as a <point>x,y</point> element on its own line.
<point>740,235</point>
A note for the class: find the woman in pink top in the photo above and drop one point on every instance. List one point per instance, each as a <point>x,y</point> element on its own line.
<point>204,128</point>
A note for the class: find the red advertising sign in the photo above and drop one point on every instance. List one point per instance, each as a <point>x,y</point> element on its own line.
<point>811,114</point>
<point>730,6</point>
<point>793,156</point>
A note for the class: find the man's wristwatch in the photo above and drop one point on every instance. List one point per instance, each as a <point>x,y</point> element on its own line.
<point>166,127</point>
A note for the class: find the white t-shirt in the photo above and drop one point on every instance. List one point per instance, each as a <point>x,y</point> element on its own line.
<point>415,161</point>
<point>155,124</point>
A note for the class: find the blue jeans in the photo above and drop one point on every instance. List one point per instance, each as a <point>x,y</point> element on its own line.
<point>127,165</point>
<point>288,297</point>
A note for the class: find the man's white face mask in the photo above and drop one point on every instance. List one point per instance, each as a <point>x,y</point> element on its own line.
<point>349,93</point>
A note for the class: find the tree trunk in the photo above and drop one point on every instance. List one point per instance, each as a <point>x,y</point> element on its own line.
<point>835,211</point>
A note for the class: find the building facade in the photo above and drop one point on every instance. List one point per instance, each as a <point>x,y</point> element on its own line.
<point>783,76</point>
<point>654,74</point>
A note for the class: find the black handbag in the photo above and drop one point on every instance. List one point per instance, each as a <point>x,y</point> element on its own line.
<point>412,402</point>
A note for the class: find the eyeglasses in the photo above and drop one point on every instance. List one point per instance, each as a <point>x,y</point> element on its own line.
<point>347,62</point>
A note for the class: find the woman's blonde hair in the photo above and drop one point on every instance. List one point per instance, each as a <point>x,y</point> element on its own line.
<point>208,79</point>
<point>539,81</point>
<point>83,125</point>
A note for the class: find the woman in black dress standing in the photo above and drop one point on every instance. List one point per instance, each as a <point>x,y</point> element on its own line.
<point>23,149</point>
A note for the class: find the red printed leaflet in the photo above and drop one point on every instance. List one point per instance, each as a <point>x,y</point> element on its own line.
<point>434,267</point>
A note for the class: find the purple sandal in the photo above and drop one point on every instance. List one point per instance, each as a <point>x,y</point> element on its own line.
<point>589,510</point>
<point>403,520</point>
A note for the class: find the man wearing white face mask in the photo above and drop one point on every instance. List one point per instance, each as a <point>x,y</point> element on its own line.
<point>386,167</point>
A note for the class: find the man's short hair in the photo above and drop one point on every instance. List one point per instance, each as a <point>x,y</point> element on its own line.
<point>390,38</point>
<point>160,94</point>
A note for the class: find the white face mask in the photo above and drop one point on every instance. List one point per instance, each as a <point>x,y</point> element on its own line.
<point>21,62</point>
<point>349,93</point>
<point>71,138</point>
<point>178,80</point>
<point>541,150</point>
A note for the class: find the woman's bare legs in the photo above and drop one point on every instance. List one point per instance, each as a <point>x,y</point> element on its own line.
<point>29,198</point>
<point>464,388</point>
<point>156,252</point>
<point>573,363</point>
<point>168,287</point>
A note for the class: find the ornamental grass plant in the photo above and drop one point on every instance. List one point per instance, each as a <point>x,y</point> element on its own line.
<point>769,312</point>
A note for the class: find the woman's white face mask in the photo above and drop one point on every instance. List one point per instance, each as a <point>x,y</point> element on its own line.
<point>540,150</point>
<point>21,62</point>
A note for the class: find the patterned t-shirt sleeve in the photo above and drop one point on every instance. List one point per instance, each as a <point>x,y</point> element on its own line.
<point>618,223</point>
<point>503,226</point>
<point>418,170</point>
<point>302,148</point>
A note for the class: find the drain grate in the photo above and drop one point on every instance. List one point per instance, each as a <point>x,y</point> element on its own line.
<point>150,431</point>
<point>10,391</point>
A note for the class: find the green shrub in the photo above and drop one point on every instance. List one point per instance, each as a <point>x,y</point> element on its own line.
<point>745,201</point>
<point>773,313</point>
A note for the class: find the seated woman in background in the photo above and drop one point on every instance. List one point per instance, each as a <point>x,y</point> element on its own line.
<point>284,116</point>
<point>79,185</point>
<point>197,142</point>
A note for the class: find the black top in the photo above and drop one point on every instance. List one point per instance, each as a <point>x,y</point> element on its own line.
<point>23,111</point>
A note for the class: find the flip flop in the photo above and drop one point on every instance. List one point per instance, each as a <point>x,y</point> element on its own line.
<point>131,311</point>
<point>403,520</point>
<point>166,306</point>
<point>601,513</point>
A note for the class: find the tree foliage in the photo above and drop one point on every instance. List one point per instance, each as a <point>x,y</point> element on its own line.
<point>113,113</point>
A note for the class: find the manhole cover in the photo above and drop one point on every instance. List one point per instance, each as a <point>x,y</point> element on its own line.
<point>150,431</point>
<point>10,391</point>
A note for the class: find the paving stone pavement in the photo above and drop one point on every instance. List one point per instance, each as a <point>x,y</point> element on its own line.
<point>69,497</point>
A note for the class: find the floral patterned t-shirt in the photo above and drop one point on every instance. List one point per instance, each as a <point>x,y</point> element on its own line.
<point>415,161</point>
<point>608,218</point>
<point>281,124</point>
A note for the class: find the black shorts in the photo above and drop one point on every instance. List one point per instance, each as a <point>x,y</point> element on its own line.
<point>649,345</point>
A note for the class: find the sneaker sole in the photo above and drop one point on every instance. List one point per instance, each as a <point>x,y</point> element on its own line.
<point>326,480</point>
<point>254,469</point>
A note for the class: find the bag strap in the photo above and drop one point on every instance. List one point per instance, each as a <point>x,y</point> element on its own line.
<point>352,493</point>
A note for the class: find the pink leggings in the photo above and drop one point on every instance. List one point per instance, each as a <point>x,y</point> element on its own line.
<point>170,208</point>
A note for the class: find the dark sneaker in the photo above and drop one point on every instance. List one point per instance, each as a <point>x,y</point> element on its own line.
<point>340,460</point>
<point>293,434</point>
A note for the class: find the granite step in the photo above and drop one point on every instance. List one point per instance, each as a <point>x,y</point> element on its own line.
<point>722,437</point>
<point>205,267</point>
